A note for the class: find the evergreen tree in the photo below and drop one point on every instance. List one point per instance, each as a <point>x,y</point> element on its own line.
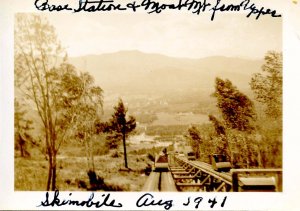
<point>119,126</point>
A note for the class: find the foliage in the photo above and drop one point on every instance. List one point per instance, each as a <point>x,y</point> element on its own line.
<point>151,157</point>
<point>35,47</point>
<point>113,140</point>
<point>23,126</point>
<point>246,150</point>
<point>119,126</point>
<point>223,146</point>
<point>195,140</point>
<point>267,86</point>
<point>88,108</point>
<point>270,143</point>
<point>219,127</point>
<point>62,97</point>
<point>236,108</point>
<point>142,151</point>
<point>234,133</point>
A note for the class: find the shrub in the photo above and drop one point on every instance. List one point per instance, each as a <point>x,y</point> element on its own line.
<point>115,154</point>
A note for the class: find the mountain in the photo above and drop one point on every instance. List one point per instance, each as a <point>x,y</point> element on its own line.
<point>154,83</point>
<point>143,73</point>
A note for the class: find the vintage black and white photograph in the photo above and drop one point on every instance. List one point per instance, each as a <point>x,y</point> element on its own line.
<point>154,103</point>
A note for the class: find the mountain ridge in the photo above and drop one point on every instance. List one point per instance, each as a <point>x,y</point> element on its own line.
<point>138,72</point>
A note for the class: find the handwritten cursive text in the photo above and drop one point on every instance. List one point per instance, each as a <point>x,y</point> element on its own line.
<point>148,200</point>
<point>155,6</point>
<point>56,201</point>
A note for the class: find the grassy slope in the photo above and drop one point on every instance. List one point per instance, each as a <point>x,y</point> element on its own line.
<point>31,173</point>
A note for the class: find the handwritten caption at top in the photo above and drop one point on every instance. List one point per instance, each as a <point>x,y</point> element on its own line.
<point>152,6</point>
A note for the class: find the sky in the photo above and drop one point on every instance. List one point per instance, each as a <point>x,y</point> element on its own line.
<point>177,35</point>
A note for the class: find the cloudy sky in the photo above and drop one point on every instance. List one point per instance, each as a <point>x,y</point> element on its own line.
<point>178,35</point>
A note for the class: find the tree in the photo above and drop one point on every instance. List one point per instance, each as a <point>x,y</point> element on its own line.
<point>195,140</point>
<point>219,128</point>
<point>56,90</point>
<point>224,148</point>
<point>120,126</point>
<point>267,86</point>
<point>88,111</point>
<point>236,108</point>
<point>35,47</point>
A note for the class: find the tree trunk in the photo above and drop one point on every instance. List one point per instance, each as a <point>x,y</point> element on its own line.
<point>53,184</point>
<point>92,158</point>
<point>87,153</point>
<point>49,172</point>
<point>22,150</point>
<point>125,154</point>
<point>21,144</point>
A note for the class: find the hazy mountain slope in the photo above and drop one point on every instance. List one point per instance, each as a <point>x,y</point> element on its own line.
<point>141,73</point>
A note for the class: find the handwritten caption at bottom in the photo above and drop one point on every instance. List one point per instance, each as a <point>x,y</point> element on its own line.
<point>146,200</point>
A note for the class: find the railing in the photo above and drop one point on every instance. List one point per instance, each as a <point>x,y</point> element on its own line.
<point>199,176</point>
<point>202,175</point>
<point>186,175</point>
